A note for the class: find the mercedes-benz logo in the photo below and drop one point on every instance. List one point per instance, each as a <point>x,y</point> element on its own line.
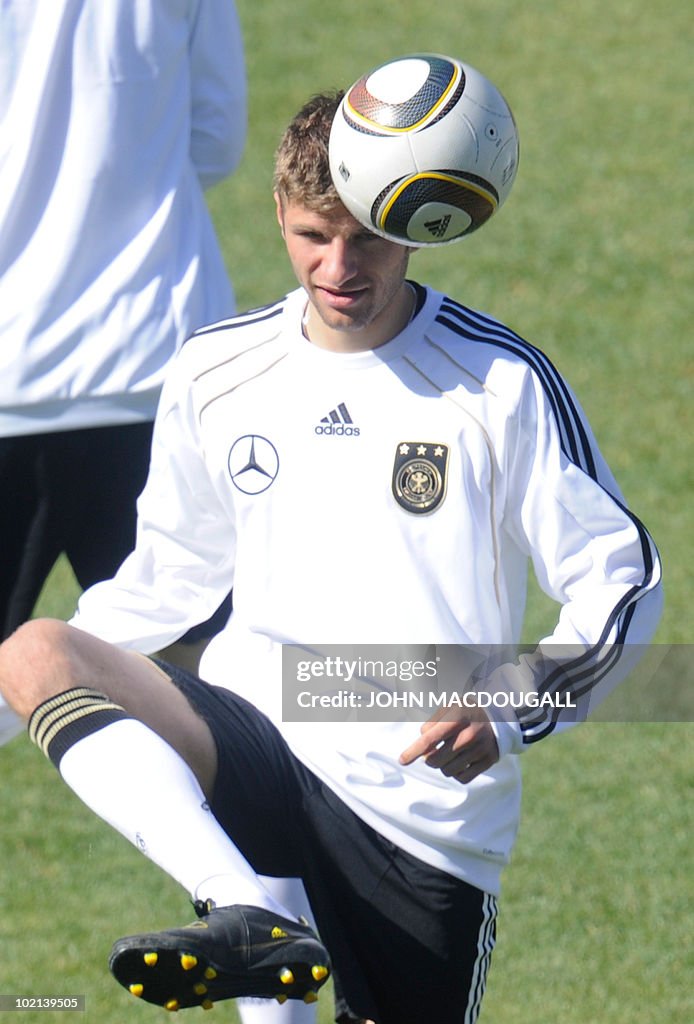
<point>253,463</point>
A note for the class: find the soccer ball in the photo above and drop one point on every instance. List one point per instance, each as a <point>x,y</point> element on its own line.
<point>423,150</point>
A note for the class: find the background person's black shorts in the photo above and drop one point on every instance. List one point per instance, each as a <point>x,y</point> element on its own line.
<point>410,944</point>
<point>72,492</point>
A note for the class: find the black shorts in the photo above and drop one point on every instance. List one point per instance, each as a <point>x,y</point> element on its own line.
<point>410,944</point>
<point>72,492</point>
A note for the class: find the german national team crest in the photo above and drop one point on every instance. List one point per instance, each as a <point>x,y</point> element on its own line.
<point>419,476</point>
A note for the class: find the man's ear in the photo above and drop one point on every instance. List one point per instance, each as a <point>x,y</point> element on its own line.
<point>280,212</point>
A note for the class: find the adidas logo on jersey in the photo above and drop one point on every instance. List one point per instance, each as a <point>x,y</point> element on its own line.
<point>337,423</point>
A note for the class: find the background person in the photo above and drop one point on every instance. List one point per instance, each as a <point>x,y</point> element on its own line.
<point>113,118</point>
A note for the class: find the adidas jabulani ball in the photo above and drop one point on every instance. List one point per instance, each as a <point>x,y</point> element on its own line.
<point>423,150</point>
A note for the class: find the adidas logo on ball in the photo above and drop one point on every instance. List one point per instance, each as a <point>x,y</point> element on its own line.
<point>438,228</point>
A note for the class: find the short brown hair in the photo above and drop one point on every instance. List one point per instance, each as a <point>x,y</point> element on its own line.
<point>302,172</point>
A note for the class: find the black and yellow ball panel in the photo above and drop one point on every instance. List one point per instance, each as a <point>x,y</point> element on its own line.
<point>442,89</point>
<point>394,208</point>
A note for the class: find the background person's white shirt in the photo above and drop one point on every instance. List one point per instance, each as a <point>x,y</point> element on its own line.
<point>113,117</point>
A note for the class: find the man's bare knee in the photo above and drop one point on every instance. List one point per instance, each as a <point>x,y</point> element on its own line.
<point>46,657</point>
<point>34,664</point>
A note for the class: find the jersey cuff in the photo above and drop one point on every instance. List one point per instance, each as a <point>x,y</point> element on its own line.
<point>508,735</point>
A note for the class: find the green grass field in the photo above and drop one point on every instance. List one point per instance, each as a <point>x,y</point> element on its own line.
<point>589,260</point>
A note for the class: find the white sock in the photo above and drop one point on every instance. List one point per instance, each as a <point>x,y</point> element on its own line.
<point>135,781</point>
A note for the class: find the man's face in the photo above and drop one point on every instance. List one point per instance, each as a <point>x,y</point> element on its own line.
<point>354,279</point>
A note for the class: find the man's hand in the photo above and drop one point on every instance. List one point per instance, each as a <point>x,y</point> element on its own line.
<point>460,747</point>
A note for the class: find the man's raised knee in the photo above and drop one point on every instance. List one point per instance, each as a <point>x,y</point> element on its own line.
<point>35,663</point>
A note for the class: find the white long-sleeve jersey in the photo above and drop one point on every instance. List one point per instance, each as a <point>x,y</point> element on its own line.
<point>280,468</point>
<point>112,116</point>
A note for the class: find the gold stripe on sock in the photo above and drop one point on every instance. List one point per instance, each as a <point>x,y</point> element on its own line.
<point>66,708</point>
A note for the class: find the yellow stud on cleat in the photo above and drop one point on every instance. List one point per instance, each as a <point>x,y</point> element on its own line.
<point>151,959</point>
<point>136,990</point>
<point>278,933</point>
<point>172,1005</point>
<point>188,962</point>
<point>286,976</point>
<point>281,999</point>
<point>311,996</point>
<point>210,973</point>
<point>207,1004</point>
<point>319,972</point>
<point>200,989</point>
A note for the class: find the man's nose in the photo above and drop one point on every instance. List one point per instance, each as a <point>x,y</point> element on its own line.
<point>341,261</point>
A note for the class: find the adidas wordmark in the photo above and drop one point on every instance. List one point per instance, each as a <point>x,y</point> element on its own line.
<point>338,422</point>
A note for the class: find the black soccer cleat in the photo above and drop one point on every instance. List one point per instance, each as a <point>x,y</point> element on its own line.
<point>230,952</point>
